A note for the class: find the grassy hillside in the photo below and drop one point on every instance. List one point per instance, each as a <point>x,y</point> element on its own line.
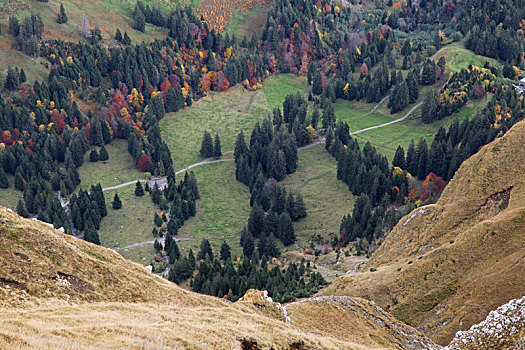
<point>326,199</point>
<point>59,292</point>
<point>445,266</point>
<point>225,113</point>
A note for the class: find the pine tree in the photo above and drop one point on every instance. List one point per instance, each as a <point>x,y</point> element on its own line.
<point>207,149</point>
<point>140,20</point>
<point>248,245</point>
<point>23,77</point>
<point>286,230</point>
<point>225,251</point>
<point>93,156</point>
<point>118,36</point>
<point>139,191</point>
<point>62,17</point>
<point>117,204</point>
<point>317,83</point>
<point>103,155</point>
<point>217,153</point>
<point>19,180</point>
<point>399,158</point>
<point>205,251</point>
<point>422,155</point>
<point>21,209</point>
<point>256,220</point>
<point>12,81</point>
<point>4,183</point>
<point>126,40</point>
<point>171,101</point>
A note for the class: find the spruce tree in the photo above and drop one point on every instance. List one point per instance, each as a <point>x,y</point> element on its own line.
<point>126,40</point>
<point>93,156</point>
<point>118,36</point>
<point>207,149</point>
<point>158,220</point>
<point>256,220</point>
<point>286,230</point>
<point>317,83</point>
<point>225,251</point>
<point>4,183</point>
<point>139,191</point>
<point>117,204</point>
<point>217,153</point>
<point>12,81</point>
<point>399,158</point>
<point>62,17</point>
<point>21,209</point>
<point>140,20</point>
<point>19,180</point>
<point>103,155</point>
<point>171,101</point>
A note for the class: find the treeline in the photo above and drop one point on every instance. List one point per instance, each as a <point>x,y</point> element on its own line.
<point>231,279</point>
<point>27,33</point>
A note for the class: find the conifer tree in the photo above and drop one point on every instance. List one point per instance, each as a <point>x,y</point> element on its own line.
<point>117,204</point>
<point>62,17</point>
<point>93,156</point>
<point>256,220</point>
<point>103,155</point>
<point>399,158</point>
<point>217,153</point>
<point>286,230</point>
<point>12,81</point>
<point>139,191</point>
<point>140,20</point>
<point>225,251</point>
<point>317,83</point>
<point>21,209</point>
<point>19,180</point>
<point>126,40</point>
<point>23,77</point>
<point>118,36</point>
<point>207,149</point>
<point>171,101</point>
<point>4,183</point>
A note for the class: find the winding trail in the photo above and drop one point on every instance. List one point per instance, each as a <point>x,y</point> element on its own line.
<point>390,123</point>
<point>161,180</point>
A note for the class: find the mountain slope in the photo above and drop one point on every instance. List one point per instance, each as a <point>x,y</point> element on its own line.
<point>59,292</point>
<point>445,266</point>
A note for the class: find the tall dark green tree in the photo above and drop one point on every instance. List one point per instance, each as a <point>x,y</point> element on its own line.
<point>286,231</point>
<point>225,251</point>
<point>140,20</point>
<point>21,209</point>
<point>139,190</point>
<point>217,153</point>
<point>207,149</point>
<point>118,36</point>
<point>317,83</point>
<point>117,204</point>
<point>4,183</point>
<point>103,154</point>
<point>62,17</point>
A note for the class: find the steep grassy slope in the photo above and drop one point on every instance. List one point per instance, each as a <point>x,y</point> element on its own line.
<point>59,292</point>
<point>445,266</point>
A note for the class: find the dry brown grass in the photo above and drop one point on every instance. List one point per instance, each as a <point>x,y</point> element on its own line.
<point>59,292</point>
<point>150,326</point>
<point>356,320</point>
<point>453,262</point>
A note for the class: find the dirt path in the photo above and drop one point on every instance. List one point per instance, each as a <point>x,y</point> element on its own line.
<point>389,123</point>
